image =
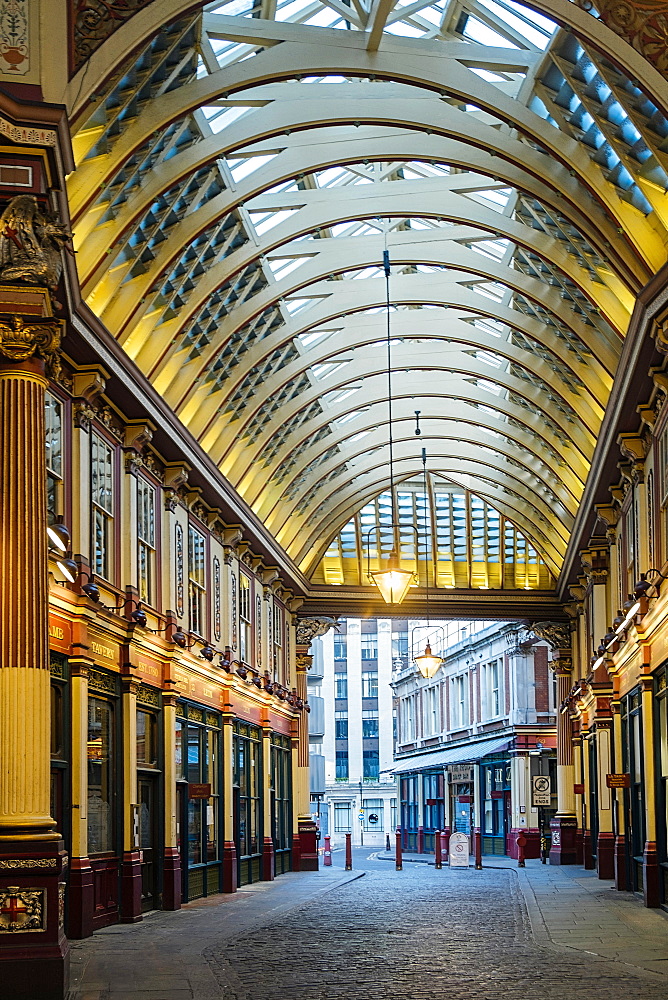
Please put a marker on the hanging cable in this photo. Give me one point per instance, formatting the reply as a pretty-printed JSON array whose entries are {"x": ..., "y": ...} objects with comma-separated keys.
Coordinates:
[
  {"x": 386, "y": 266},
  {"x": 427, "y": 560}
]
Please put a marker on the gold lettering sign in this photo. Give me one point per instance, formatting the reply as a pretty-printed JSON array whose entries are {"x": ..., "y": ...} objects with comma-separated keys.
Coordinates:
[
  {"x": 148, "y": 668},
  {"x": 60, "y": 634}
]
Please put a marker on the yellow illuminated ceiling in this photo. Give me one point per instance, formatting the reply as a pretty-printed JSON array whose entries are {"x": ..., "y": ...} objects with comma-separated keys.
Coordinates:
[{"x": 238, "y": 180}]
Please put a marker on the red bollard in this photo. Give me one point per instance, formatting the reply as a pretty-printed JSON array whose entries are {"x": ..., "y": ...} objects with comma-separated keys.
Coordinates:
[
  {"x": 349, "y": 852},
  {"x": 445, "y": 843},
  {"x": 478, "y": 848},
  {"x": 438, "y": 856},
  {"x": 521, "y": 844},
  {"x": 398, "y": 862},
  {"x": 327, "y": 855}
]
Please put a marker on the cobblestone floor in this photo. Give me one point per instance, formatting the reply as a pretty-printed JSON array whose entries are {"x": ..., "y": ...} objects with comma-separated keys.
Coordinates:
[
  {"x": 498, "y": 934},
  {"x": 419, "y": 934}
]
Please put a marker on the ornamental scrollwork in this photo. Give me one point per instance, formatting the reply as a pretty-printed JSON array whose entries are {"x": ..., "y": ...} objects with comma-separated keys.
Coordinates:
[
  {"x": 558, "y": 634},
  {"x": 31, "y": 244},
  {"x": 309, "y": 628},
  {"x": 22, "y": 910},
  {"x": 93, "y": 21},
  {"x": 643, "y": 23}
]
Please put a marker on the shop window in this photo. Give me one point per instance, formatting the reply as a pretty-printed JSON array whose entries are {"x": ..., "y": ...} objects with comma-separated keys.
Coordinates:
[
  {"x": 373, "y": 815},
  {"x": 196, "y": 580},
  {"x": 245, "y": 619},
  {"x": 147, "y": 739},
  {"x": 247, "y": 778},
  {"x": 281, "y": 785},
  {"x": 433, "y": 799},
  {"x": 101, "y": 776},
  {"x": 342, "y": 817},
  {"x": 53, "y": 413},
  {"x": 198, "y": 763},
  {"x": 369, "y": 683},
  {"x": 102, "y": 496},
  {"x": 393, "y": 814},
  {"x": 145, "y": 540},
  {"x": 59, "y": 743},
  {"x": 341, "y": 685}
]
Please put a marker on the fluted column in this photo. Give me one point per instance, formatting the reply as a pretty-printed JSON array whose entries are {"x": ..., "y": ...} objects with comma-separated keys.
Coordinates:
[{"x": 33, "y": 947}]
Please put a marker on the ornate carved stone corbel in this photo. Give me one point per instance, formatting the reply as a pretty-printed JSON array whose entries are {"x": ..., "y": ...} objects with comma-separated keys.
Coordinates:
[
  {"x": 635, "y": 447},
  {"x": 558, "y": 634},
  {"x": 309, "y": 628}
]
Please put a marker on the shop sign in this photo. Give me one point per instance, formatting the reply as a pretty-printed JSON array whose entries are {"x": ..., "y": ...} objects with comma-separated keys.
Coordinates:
[
  {"x": 105, "y": 650},
  {"x": 199, "y": 791},
  {"x": 459, "y": 773},
  {"x": 458, "y": 850},
  {"x": 618, "y": 780},
  {"x": 541, "y": 790},
  {"x": 579, "y": 789},
  {"x": 150, "y": 669},
  {"x": 60, "y": 634}
]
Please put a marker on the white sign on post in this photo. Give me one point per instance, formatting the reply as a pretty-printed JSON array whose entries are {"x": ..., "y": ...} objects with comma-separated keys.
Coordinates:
[
  {"x": 459, "y": 850},
  {"x": 542, "y": 791}
]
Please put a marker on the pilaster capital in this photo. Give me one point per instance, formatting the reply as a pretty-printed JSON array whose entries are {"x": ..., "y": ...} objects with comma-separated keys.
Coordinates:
[
  {"x": 303, "y": 662},
  {"x": 20, "y": 340}
]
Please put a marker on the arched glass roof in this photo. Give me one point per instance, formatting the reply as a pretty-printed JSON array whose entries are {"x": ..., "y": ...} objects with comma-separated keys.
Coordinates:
[{"x": 238, "y": 179}]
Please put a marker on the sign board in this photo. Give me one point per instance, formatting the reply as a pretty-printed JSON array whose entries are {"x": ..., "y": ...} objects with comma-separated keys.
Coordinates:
[
  {"x": 618, "y": 780},
  {"x": 541, "y": 790},
  {"x": 460, "y": 773},
  {"x": 459, "y": 850},
  {"x": 199, "y": 791},
  {"x": 579, "y": 789}
]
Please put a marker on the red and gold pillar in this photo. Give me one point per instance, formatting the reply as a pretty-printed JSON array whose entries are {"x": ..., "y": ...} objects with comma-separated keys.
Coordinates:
[
  {"x": 564, "y": 825},
  {"x": 34, "y": 956}
]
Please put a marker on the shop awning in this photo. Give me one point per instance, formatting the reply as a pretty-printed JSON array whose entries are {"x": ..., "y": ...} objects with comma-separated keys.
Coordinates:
[{"x": 463, "y": 754}]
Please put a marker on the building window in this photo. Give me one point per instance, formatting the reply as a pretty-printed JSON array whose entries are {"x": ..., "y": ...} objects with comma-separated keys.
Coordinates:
[
  {"x": 492, "y": 688},
  {"x": 370, "y": 725},
  {"x": 370, "y": 764},
  {"x": 244, "y": 618},
  {"x": 434, "y": 710},
  {"x": 145, "y": 540},
  {"x": 342, "y": 817},
  {"x": 393, "y": 814},
  {"x": 341, "y": 765},
  {"x": 281, "y": 771},
  {"x": 408, "y": 719},
  {"x": 278, "y": 645},
  {"x": 369, "y": 646},
  {"x": 102, "y": 495},
  {"x": 101, "y": 776},
  {"x": 53, "y": 412},
  {"x": 369, "y": 683},
  {"x": 340, "y": 647},
  {"x": 341, "y": 685},
  {"x": 341, "y": 725},
  {"x": 196, "y": 580},
  {"x": 460, "y": 701},
  {"x": 373, "y": 815},
  {"x": 400, "y": 650}
]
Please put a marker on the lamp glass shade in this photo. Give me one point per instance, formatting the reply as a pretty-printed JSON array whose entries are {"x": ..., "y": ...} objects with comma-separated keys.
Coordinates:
[
  {"x": 59, "y": 536},
  {"x": 68, "y": 568},
  {"x": 428, "y": 664},
  {"x": 393, "y": 582}
]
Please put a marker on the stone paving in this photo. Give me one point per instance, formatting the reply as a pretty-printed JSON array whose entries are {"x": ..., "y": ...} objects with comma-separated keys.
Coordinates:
[{"x": 538, "y": 934}]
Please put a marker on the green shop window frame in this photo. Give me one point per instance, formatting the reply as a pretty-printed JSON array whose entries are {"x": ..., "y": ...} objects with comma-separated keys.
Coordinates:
[
  {"x": 281, "y": 802},
  {"x": 60, "y": 747},
  {"x": 634, "y": 797},
  {"x": 248, "y": 796},
  {"x": 199, "y": 819}
]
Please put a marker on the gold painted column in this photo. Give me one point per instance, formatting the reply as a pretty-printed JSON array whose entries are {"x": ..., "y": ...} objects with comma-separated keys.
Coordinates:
[
  {"x": 171, "y": 888},
  {"x": 131, "y": 867},
  {"x": 650, "y": 862},
  {"x": 34, "y": 954},
  {"x": 230, "y": 861},
  {"x": 267, "y": 805},
  {"x": 564, "y": 824},
  {"x": 81, "y": 902}
]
